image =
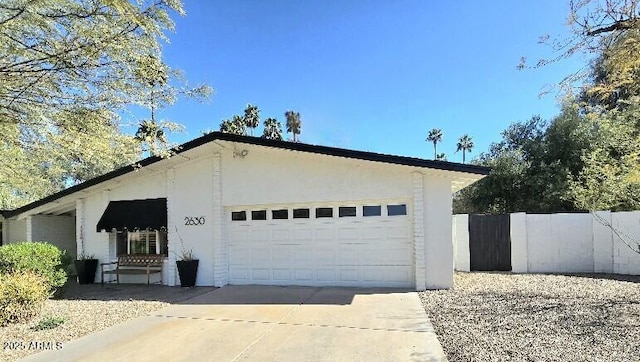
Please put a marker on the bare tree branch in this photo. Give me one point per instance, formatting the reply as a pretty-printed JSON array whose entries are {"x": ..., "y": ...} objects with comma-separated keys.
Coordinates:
[{"x": 616, "y": 26}]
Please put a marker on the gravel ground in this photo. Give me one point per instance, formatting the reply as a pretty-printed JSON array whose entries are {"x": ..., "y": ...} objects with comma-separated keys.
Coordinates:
[
  {"x": 537, "y": 317},
  {"x": 87, "y": 309}
]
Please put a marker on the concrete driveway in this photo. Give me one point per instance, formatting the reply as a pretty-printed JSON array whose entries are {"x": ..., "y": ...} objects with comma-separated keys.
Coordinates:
[{"x": 262, "y": 323}]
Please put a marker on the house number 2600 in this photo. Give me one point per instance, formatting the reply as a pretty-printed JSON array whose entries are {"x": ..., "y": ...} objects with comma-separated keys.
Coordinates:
[{"x": 193, "y": 220}]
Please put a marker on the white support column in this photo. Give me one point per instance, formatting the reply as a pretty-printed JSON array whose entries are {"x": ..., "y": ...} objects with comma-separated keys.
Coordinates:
[
  {"x": 220, "y": 267},
  {"x": 418, "y": 231},
  {"x": 172, "y": 235},
  {"x": 28, "y": 228},
  {"x": 438, "y": 217},
  {"x": 80, "y": 226},
  {"x": 518, "y": 233},
  {"x": 103, "y": 237}
]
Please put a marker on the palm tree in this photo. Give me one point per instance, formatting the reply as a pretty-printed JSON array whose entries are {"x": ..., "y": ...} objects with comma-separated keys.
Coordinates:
[
  {"x": 251, "y": 117},
  {"x": 435, "y": 136},
  {"x": 239, "y": 124},
  {"x": 293, "y": 123},
  {"x": 232, "y": 126},
  {"x": 465, "y": 144},
  {"x": 272, "y": 129},
  {"x": 151, "y": 133}
]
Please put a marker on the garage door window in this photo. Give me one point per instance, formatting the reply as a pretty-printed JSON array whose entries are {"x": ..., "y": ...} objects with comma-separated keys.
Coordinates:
[
  {"x": 396, "y": 210},
  {"x": 347, "y": 211},
  {"x": 239, "y": 216},
  {"x": 372, "y": 210},
  {"x": 300, "y": 213},
  {"x": 324, "y": 212},
  {"x": 259, "y": 215},
  {"x": 280, "y": 214}
]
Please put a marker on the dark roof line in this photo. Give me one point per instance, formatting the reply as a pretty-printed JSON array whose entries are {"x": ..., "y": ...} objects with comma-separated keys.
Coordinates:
[{"x": 302, "y": 147}]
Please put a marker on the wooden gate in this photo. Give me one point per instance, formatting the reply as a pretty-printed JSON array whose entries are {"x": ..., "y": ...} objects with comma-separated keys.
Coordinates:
[{"x": 490, "y": 242}]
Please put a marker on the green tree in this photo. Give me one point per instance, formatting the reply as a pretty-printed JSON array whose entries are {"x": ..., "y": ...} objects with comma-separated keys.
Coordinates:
[
  {"x": 435, "y": 136},
  {"x": 610, "y": 178},
  {"x": 56, "y": 54},
  {"x": 465, "y": 144},
  {"x": 68, "y": 69},
  {"x": 441, "y": 157},
  {"x": 235, "y": 125},
  {"x": 38, "y": 161},
  {"x": 160, "y": 94},
  {"x": 532, "y": 167},
  {"x": 251, "y": 117},
  {"x": 153, "y": 135},
  {"x": 272, "y": 129},
  {"x": 294, "y": 123},
  {"x": 501, "y": 191},
  {"x": 239, "y": 125}
]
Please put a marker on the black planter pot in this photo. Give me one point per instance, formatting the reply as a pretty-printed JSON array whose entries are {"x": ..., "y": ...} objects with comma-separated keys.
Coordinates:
[
  {"x": 86, "y": 270},
  {"x": 187, "y": 269}
]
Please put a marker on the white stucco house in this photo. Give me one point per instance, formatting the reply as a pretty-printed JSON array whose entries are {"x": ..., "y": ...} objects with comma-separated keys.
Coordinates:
[{"x": 258, "y": 211}]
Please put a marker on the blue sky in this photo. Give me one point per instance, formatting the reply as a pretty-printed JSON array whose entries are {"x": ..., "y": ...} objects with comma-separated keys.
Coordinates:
[{"x": 370, "y": 75}]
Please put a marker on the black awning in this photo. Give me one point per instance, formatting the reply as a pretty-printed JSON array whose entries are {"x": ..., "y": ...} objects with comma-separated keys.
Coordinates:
[{"x": 134, "y": 214}]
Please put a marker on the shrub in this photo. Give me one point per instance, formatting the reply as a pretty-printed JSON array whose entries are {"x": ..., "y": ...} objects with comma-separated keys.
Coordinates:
[
  {"x": 49, "y": 322},
  {"x": 22, "y": 295},
  {"x": 40, "y": 258}
]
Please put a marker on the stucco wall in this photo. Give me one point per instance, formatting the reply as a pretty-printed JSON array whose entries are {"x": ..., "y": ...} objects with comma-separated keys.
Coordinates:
[
  {"x": 519, "y": 250},
  {"x": 266, "y": 176},
  {"x": 438, "y": 223},
  {"x": 569, "y": 243},
  {"x": 193, "y": 198},
  {"x": 461, "y": 242},
  {"x": 559, "y": 243},
  {"x": 57, "y": 230},
  {"x": 626, "y": 261},
  {"x": 17, "y": 230}
]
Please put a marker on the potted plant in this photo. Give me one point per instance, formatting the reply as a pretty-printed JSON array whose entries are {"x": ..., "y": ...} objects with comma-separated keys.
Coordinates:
[
  {"x": 86, "y": 265},
  {"x": 187, "y": 268},
  {"x": 187, "y": 265}
]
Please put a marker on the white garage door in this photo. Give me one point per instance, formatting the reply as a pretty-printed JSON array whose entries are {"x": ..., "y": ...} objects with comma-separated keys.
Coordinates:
[{"x": 352, "y": 245}]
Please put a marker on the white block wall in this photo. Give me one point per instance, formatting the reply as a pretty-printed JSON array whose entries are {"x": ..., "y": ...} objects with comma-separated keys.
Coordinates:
[
  {"x": 565, "y": 243},
  {"x": 461, "y": 242},
  {"x": 519, "y": 252},
  {"x": 559, "y": 243},
  {"x": 603, "y": 244},
  {"x": 626, "y": 261}
]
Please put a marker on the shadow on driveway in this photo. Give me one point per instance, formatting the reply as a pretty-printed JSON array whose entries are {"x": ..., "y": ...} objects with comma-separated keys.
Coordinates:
[
  {"x": 159, "y": 293},
  {"x": 247, "y": 294}
]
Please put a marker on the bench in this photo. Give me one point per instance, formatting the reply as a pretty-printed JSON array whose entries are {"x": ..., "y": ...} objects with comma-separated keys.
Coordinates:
[{"x": 135, "y": 264}]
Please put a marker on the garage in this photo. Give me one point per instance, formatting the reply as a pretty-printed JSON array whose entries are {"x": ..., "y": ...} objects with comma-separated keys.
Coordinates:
[{"x": 345, "y": 244}]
